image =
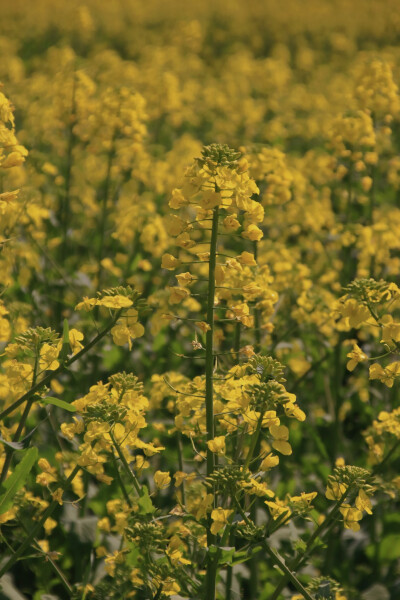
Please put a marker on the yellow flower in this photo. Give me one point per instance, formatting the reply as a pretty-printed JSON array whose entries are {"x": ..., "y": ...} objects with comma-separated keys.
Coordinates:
[
  {"x": 280, "y": 433},
  {"x": 169, "y": 262},
  {"x": 292, "y": 410},
  {"x": 57, "y": 496},
  {"x": 162, "y": 479},
  {"x": 217, "y": 445},
  {"x": 231, "y": 223},
  {"x": 185, "y": 279},
  {"x": 49, "y": 525},
  {"x": 363, "y": 502},
  {"x": 246, "y": 258},
  {"x": 122, "y": 334},
  {"x": 277, "y": 508},
  {"x": 74, "y": 340},
  {"x": 178, "y": 294},
  {"x": 174, "y": 225},
  {"x": 351, "y": 516},
  {"x": 303, "y": 501},
  {"x": 387, "y": 375},
  {"x": 210, "y": 199},
  {"x": 356, "y": 356},
  {"x": 220, "y": 518},
  {"x": 117, "y": 301},
  {"x": 253, "y": 233},
  {"x": 87, "y": 304},
  {"x": 48, "y": 356},
  {"x": 203, "y": 326},
  {"x": 335, "y": 491},
  {"x": 390, "y": 330},
  {"x": 269, "y": 462},
  {"x": 356, "y": 313},
  {"x": 177, "y": 200}
]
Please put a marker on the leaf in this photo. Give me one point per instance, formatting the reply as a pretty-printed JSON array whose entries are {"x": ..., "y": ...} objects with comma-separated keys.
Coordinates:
[
  {"x": 240, "y": 557},
  {"x": 59, "y": 403},
  {"x": 227, "y": 555},
  {"x": 14, "y": 483},
  {"x": 145, "y": 504}
]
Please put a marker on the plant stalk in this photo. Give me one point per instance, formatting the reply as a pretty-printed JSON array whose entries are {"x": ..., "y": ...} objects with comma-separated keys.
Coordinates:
[{"x": 211, "y": 567}]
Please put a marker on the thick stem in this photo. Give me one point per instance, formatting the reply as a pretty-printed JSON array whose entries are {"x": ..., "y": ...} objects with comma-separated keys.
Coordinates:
[{"x": 211, "y": 569}]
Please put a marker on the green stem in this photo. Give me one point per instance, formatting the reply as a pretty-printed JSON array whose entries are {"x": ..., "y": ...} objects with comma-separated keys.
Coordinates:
[
  {"x": 257, "y": 320},
  {"x": 180, "y": 463},
  {"x": 36, "y": 529},
  {"x": 131, "y": 476},
  {"x": 288, "y": 573},
  {"x": 236, "y": 342},
  {"x": 211, "y": 568},
  {"x": 254, "y": 441}
]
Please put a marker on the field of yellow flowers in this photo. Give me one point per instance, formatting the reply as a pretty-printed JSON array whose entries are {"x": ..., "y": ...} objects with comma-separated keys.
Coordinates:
[{"x": 200, "y": 300}]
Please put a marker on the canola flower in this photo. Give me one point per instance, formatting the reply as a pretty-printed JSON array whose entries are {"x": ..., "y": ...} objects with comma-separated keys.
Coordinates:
[{"x": 197, "y": 345}]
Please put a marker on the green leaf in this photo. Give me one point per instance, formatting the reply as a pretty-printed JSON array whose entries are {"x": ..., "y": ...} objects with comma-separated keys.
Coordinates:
[
  {"x": 59, "y": 403},
  {"x": 240, "y": 557},
  {"x": 14, "y": 483},
  {"x": 145, "y": 504},
  {"x": 227, "y": 555}
]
